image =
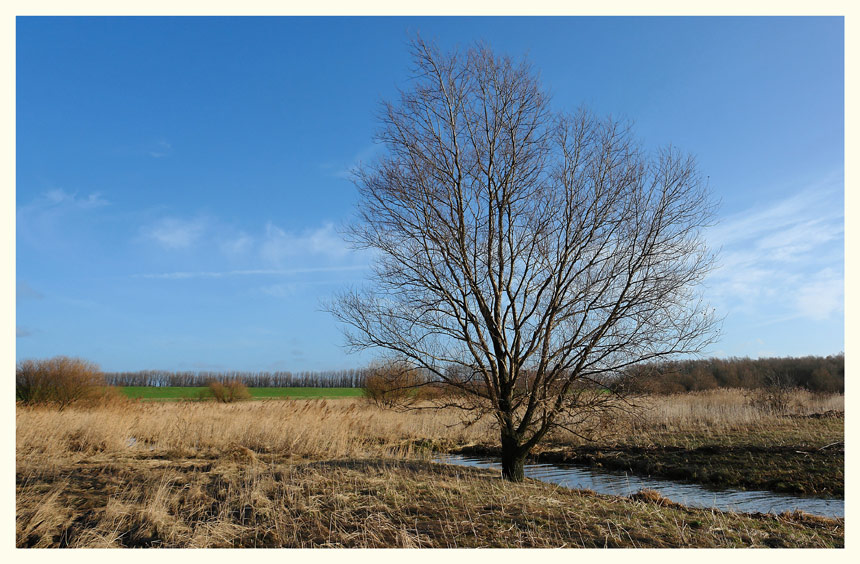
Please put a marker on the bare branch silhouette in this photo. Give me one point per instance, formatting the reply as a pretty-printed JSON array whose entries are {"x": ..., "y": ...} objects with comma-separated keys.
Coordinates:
[{"x": 524, "y": 256}]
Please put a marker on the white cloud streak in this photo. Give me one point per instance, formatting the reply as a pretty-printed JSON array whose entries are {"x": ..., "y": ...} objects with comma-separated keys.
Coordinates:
[
  {"x": 279, "y": 245},
  {"x": 176, "y": 234},
  {"x": 239, "y": 245},
  {"x": 256, "y": 272},
  {"x": 24, "y": 291},
  {"x": 784, "y": 260},
  {"x": 338, "y": 170},
  {"x": 279, "y": 290},
  {"x": 23, "y": 332},
  {"x": 222, "y": 252},
  {"x": 58, "y": 200},
  {"x": 51, "y": 220},
  {"x": 162, "y": 149}
]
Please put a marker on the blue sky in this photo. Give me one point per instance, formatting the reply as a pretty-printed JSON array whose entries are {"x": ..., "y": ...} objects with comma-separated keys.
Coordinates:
[{"x": 180, "y": 181}]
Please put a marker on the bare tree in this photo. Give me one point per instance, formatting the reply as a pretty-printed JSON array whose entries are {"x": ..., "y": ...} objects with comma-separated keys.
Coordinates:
[{"x": 524, "y": 256}]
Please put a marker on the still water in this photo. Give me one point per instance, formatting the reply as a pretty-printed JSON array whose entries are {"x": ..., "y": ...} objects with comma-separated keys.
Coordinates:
[{"x": 619, "y": 483}]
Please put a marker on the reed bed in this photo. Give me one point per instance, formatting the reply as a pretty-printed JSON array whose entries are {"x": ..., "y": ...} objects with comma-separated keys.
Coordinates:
[
  {"x": 346, "y": 473},
  {"x": 731, "y": 407},
  {"x": 729, "y": 416},
  {"x": 326, "y": 429},
  {"x": 318, "y": 429}
]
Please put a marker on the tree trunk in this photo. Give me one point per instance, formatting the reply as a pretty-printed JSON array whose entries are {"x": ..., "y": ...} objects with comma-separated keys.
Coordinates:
[{"x": 513, "y": 459}]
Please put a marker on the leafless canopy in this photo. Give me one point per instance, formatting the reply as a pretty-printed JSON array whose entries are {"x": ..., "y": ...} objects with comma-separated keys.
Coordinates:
[{"x": 523, "y": 253}]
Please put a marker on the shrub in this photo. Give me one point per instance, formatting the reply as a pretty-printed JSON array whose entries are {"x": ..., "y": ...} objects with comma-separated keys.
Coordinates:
[
  {"x": 776, "y": 395},
  {"x": 435, "y": 391},
  {"x": 229, "y": 391},
  {"x": 103, "y": 396},
  {"x": 60, "y": 381},
  {"x": 391, "y": 384}
]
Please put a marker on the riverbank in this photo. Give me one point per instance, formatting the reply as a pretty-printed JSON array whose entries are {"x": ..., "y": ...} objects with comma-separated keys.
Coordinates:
[
  {"x": 716, "y": 439},
  {"x": 814, "y": 468},
  {"x": 242, "y": 499}
]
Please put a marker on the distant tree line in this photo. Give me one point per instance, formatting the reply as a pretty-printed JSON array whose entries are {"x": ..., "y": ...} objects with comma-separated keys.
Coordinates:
[
  {"x": 347, "y": 378},
  {"x": 814, "y": 373}
]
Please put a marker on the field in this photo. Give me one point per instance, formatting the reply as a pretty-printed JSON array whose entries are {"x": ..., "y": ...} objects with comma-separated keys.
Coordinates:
[
  {"x": 345, "y": 473},
  {"x": 173, "y": 393}
]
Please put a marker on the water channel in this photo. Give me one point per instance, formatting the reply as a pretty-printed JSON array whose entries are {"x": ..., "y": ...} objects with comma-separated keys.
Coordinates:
[{"x": 622, "y": 484}]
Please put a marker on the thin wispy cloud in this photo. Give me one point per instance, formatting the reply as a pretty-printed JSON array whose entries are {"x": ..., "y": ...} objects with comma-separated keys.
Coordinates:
[
  {"x": 819, "y": 205},
  {"x": 823, "y": 297},
  {"x": 275, "y": 247},
  {"x": 54, "y": 218},
  {"x": 279, "y": 245},
  {"x": 783, "y": 260},
  {"x": 296, "y": 259},
  {"x": 59, "y": 200},
  {"x": 256, "y": 272},
  {"x": 59, "y": 197},
  {"x": 239, "y": 245},
  {"x": 23, "y": 332},
  {"x": 344, "y": 169},
  {"x": 161, "y": 150},
  {"x": 23, "y": 291},
  {"x": 173, "y": 233},
  {"x": 279, "y": 290}
]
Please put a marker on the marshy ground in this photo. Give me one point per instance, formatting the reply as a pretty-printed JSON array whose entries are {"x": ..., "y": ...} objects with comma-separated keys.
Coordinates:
[{"x": 344, "y": 473}]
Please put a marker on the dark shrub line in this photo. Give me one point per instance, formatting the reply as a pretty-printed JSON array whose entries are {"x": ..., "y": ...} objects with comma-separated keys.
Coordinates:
[{"x": 813, "y": 373}]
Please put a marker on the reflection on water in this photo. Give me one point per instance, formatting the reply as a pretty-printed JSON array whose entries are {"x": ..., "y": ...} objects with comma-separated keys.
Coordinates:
[{"x": 619, "y": 483}]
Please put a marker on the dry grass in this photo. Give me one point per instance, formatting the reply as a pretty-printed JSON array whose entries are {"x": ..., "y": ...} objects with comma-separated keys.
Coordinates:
[
  {"x": 324, "y": 429},
  {"x": 366, "y": 503},
  {"x": 308, "y": 473},
  {"x": 724, "y": 417},
  {"x": 318, "y": 429}
]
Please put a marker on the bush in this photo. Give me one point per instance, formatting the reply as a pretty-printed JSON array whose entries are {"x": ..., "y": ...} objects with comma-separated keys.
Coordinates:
[
  {"x": 104, "y": 396},
  {"x": 391, "y": 384},
  {"x": 60, "y": 381},
  {"x": 230, "y": 391},
  {"x": 435, "y": 391},
  {"x": 776, "y": 395}
]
